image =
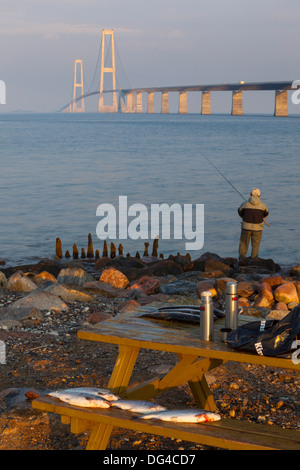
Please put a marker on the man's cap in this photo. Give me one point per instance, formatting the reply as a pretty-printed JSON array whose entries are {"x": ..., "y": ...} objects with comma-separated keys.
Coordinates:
[{"x": 255, "y": 192}]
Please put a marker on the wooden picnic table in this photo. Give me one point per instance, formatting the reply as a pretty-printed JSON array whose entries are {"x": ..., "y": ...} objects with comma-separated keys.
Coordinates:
[{"x": 132, "y": 332}]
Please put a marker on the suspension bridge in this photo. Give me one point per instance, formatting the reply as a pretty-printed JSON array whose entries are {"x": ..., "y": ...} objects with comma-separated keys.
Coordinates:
[{"x": 129, "y": 100}]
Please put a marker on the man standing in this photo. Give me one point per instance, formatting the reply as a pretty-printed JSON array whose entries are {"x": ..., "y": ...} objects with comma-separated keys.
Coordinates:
[{"x": 252, "y": 212}]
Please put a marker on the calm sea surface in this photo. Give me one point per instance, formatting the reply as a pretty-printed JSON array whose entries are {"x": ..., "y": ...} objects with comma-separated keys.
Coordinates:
[{"x": 56, "y": 169}]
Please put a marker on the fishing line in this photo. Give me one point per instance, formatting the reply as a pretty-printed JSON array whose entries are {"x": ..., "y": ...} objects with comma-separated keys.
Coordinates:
[{"x": 230, "y": 184}]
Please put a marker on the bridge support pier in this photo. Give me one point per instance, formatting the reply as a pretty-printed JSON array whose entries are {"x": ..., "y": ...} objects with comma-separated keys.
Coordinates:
[
  {"x": 182, "y": 102},
  {"x": 131, "y": 102},
  {"x": 139, "y": 102},
  {"x": 165, "y": 102},
  {"x": 150, "y": 109},
  {"x": 237, "y": 103},
  {"x": 206, "y": 106},
  {"x": 281, "y": 103},
  {"x": 121, "y": 103}
]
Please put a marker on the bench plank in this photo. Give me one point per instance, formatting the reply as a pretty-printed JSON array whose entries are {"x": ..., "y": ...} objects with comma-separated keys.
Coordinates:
[{"x": 226, "y": 433}]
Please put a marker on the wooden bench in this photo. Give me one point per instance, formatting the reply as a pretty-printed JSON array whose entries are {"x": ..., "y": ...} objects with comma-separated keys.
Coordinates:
[{"x": 226, "y": 433}]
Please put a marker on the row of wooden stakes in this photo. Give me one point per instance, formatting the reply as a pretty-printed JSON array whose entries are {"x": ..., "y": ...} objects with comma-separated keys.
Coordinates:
[{"x": 95, "y": 255}]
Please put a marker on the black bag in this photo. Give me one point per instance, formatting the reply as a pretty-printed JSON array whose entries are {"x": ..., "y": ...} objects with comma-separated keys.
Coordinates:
[{"x": 267, "y": 337}]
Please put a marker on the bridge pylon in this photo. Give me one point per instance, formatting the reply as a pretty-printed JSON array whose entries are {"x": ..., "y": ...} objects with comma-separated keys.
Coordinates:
[
  {"x": 113, "y": 108},
  {"x": 74, "y": 108}
]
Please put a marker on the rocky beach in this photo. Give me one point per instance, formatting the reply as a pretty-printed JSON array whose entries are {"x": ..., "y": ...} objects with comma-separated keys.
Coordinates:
[{"x": 43, "y": 305}]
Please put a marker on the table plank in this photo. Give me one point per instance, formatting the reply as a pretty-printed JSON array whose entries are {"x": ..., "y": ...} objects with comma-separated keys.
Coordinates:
[{"x": 131, "y": 330}]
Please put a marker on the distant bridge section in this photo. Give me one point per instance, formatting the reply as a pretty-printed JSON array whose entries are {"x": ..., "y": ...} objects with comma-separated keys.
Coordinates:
[{"x": 130, "y": 100}]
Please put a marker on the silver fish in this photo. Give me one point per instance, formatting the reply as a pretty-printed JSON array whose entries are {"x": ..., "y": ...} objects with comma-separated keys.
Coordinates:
[
  {"x": 184, "y": 416},
  {"x": 138, "y": 406},
  {"x": 101, "y": 392},
  {"x": 83, "y": 399}
]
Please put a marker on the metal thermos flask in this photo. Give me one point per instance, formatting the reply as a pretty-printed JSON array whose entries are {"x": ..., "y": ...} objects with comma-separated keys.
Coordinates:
[
  {"x": 206, "y": 317},
  {"x": 231, "y": 306}
]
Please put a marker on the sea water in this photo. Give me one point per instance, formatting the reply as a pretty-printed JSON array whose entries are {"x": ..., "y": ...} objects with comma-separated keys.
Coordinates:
[{"x": 56, "y": 169}]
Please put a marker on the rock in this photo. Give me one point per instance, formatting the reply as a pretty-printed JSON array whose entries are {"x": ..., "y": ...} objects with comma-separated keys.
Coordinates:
[
  {"x": 246, "y": 288},
  {"x": 211, "y": 262},
  {"x": 295, "y": 271},
  {"x": 292, "y": 305},
  {"x": 32, "y": 394},
  {"x": 273, "y": 281},
  {"x": 261, "y": 301},
  {"x": 221, "y": 284},
  {"x": 147, "y": 284},
  {"x": 264, "y": 264},
  {"x": 184, "y": 261},
  {"x": 68, "y": 294},
  {"x": 118, "y": 262},
  {"x": 256, "y": 311},
  {"x": 3, "y": 280},
  {"x": 281, "y": 306},
  {"x": 243, "y": 302},
  {"x": 129, "y": 305},
  {"x": 102, "y": 288},
  {"x": 163, "y": 268},
  {"x": 264, "y": 290},
  {"x": 203, "y": 286},
  {"x": 20, "y": 313},
  {"x": 20, "y": 283},
  {"x": 98, "y": 317},
  {"x": 44, "y": 275},
  {"x": 114, "y": 277},
  {"x": 179, "y": 287},
  {"x": 74, "y": 275},
  {"x": 297, "y": 285},
  {"x": 41, "y": 300},
  {"x": 277, "y": 314},
  {"x": 286, "y": 293}
]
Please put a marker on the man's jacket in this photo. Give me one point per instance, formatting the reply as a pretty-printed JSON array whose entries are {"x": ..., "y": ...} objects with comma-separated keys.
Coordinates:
[{"x": 253, "y": 212}]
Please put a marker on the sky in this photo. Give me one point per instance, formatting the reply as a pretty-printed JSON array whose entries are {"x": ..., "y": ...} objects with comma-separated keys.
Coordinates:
[{"x": 158, "y": 43}]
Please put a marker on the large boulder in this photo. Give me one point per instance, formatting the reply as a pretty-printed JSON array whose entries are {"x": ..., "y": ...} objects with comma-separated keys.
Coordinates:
[
  {"x": 74, "y": 275},
  {"x": 102, "y": 288},
  {"x": 286, "y": 293},
  {"x": 20, "y": 283},
  {"x": 40, "y": 300},
  {"x": 211, "y": 262},
  {"x": 274, "y": 281},
  {"x": 179, "y": 287},
  {"x": 295, "y": 271},
  {"x": 3, "y": 280},
  {"x": 114, "y": 277},
  {"x": 147, "y": 284},
  {"x": 246, "y": 288},
  {"x": 68, "y": 294},
  {"x": 203, "y": 286}
]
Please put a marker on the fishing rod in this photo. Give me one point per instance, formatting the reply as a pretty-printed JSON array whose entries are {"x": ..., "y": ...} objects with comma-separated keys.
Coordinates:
[{"x": 231, "y": 184}]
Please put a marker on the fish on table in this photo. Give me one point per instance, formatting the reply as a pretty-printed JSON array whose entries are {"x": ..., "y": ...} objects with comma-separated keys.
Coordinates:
[
  {"x": 138, "y": 406},
  {"x": 82, "y": 398},
  {"x": 101, "y": 392},
  {"x": 183, "y": 416}
]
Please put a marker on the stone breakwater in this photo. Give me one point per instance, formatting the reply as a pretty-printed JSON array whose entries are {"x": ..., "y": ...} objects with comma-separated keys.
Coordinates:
[{"x": 264, "y": 289}]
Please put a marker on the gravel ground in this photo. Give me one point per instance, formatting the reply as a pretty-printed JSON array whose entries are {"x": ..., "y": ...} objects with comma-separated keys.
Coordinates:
[{"x": 46, "y": 355}]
